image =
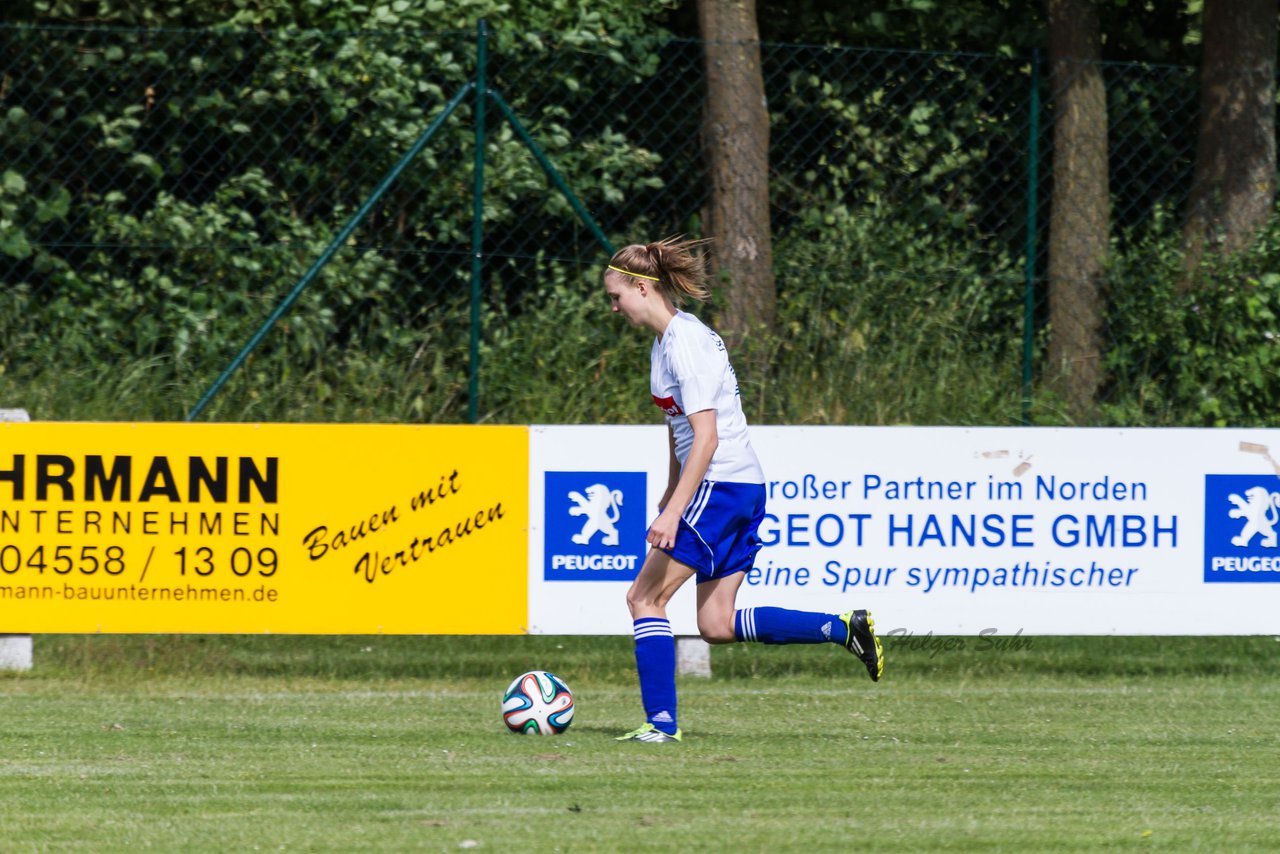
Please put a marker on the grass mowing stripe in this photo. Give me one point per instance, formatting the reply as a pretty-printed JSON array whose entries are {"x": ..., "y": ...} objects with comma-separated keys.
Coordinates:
[{"x": 212, "y": 744}]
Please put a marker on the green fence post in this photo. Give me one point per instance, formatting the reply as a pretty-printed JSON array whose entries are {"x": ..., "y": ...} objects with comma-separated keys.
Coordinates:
[
  {"x": 477, "y": 227},
  {"x": 1029, "y": 285},
  {"x": 329, "y": 252},
  {"x": 556, "y": 178}
]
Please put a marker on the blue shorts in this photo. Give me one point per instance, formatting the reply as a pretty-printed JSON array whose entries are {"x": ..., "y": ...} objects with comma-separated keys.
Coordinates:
[{"x": 719, "y": 532}]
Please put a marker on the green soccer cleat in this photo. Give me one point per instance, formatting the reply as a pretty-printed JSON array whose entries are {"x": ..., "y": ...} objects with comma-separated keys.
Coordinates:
[
  {"x": 652, "y": 735},
  {"x": 862, "y": 641}
]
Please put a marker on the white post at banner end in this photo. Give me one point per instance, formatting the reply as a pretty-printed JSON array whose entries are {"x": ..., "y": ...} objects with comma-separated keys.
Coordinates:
[
  {"x": 15, "y": 650},
  {"x": 693, "y": 656}
]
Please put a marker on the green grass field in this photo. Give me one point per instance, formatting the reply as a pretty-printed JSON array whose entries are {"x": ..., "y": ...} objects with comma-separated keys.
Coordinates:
[{"x": 200, "y": 743}]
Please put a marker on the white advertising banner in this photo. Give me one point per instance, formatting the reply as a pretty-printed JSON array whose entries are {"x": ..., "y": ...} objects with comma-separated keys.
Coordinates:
[
  {"x": 943, "y": 530},
  {"x": 594, "y": 491}
]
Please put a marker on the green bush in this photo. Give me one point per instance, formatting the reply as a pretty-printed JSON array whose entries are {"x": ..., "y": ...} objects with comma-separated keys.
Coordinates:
[
  {"x": 1193, "y": 347},
  {"x": 887, "y": 319}
]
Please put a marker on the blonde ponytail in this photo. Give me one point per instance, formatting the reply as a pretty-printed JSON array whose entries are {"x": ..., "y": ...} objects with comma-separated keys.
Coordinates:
[{"x": 675, "y": 265}]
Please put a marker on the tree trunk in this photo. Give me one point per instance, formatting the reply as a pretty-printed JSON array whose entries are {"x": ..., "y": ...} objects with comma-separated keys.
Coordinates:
[
  {"x": 736, "y": 145},
  {"x": 1233, "y": 187},
  {"x": 1080, "y": 217}
]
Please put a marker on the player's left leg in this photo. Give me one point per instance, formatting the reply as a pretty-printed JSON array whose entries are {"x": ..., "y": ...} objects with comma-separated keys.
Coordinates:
[
  {"x": 729, "y": 521},
  {"x": 717, "y": 604},
  {"x": 853, "y": 630},
  {"x": 720, "y": 621},
  {"x": 782, "y": 626}
]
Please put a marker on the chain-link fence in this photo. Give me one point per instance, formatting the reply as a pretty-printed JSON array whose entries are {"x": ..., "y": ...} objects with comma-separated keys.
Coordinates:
[{"x": 164, "y": 191}]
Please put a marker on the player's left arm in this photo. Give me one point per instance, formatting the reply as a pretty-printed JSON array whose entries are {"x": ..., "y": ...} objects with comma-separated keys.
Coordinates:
[
  {"x": 706, "y": 439},
  {"x": 673, "y": 469}
]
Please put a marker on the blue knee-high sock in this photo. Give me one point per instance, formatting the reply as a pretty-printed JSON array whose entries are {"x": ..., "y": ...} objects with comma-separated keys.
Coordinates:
[
  {"x": 656, "y": 664},
  {"x": 778, "y": 626}
]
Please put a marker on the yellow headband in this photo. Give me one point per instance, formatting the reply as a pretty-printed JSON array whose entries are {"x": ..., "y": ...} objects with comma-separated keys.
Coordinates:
[{"x": 635, "y": 275}]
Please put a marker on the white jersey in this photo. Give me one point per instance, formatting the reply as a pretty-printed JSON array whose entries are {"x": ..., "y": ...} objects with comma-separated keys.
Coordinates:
[{"x": 690, "y": 372}]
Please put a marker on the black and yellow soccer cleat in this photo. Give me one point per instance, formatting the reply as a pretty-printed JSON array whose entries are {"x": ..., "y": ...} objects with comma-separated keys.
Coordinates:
[{"x": 862, "y": 641}]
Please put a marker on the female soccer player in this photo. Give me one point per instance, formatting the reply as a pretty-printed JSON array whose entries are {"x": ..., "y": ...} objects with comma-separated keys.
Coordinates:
[{"x": 714, "y": 502}]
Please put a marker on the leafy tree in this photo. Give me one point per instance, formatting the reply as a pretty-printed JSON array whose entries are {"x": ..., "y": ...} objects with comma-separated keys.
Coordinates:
[
  {"x": 164, "y": 188},
  {"x": 1079, "y": 227},
  {"x": 1234, "y": 186},
  {"x": 736, "y": 144}
]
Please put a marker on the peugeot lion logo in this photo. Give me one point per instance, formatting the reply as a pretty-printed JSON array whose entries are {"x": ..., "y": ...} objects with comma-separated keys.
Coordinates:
[
  {"x": 1258, "y": 510},
  {"x": 588, "y": 535},
  {"x": 1241, "y": 528},
  {"x": 600, "y": 506}
]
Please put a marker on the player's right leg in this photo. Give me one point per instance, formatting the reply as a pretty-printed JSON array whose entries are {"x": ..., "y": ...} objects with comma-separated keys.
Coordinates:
[{"x": 658, "y": 580}]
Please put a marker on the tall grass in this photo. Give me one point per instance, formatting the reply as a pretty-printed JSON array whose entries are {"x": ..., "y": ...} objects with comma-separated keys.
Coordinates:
[
  {"x": 872, "y": 346},
  {"x": 127, "y": 658}
]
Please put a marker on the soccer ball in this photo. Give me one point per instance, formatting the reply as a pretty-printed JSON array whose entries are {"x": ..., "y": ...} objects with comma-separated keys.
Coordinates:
[{"x": 537, "y": 703}]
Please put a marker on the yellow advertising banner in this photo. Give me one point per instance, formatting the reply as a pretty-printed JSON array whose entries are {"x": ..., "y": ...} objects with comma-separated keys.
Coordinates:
[{"x": 247, "y": 528}]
